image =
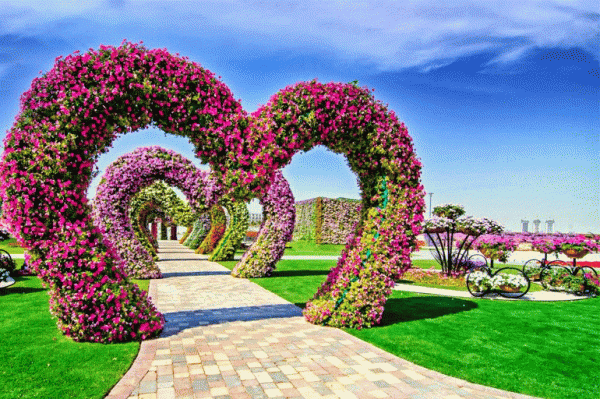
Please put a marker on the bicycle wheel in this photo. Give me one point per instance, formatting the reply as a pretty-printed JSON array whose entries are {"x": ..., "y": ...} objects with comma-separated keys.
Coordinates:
[
  {"x": 7, "y": 262},
  {"x": 478, "y": 281},
  {"x": 532, "y": 269},
  {"x": 552, "y": 277},
  {"x": 516, "y": 283}
]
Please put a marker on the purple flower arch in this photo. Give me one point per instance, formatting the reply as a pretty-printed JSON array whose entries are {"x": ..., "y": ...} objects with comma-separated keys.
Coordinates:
[
  {"x": 127, "y": 176},
  {"x": 132, "y": 172}
]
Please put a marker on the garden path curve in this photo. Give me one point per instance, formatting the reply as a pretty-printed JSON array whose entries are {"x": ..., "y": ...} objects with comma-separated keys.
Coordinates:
[{"x": 229, "y": 338}]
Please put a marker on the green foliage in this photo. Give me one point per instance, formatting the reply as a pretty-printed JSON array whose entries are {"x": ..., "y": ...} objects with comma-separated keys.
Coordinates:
[
  {"x": 218, "y": 223},
  {"x": 231, "y": 240}
]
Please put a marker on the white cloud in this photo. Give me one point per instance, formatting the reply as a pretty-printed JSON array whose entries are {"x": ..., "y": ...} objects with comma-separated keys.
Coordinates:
[{"x": 386, "y": 34}]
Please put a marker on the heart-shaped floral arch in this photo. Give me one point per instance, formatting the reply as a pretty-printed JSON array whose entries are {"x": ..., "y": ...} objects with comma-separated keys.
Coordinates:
[{"x": 73, "y": 113}]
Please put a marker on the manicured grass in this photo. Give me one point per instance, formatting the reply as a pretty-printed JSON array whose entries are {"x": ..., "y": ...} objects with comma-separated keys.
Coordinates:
[
  {"x": 10, "y": 249},
  {"x": 310, "y": 248},
  {"x": 39, "y": 362},
  {"x": 543, "y": 349}
]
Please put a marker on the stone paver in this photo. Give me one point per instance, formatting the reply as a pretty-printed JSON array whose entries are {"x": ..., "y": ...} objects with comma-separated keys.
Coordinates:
[{"x": 229, "y": 338}]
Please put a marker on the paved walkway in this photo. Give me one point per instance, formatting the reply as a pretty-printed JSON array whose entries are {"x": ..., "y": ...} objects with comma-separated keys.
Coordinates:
[{"x": 230, "y": 338}]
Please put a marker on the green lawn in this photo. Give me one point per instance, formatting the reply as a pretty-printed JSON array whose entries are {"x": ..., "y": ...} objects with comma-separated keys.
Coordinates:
[
  {"x": 10, "y": 249},
  {"x": 310, "y": 248},
  {"x": 541, "y": 349},
  {"x": 39, "y": 362}
]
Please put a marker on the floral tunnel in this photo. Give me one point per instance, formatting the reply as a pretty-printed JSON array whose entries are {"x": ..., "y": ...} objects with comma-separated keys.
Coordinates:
[
  {"x": 150, "y": 212},
  {"x": 348, "y": 120},
  {"x": 162, "y": 196},
  {"x": 129, "y": 175},
  {"x": 73, "y": 113},
  {"x": 117, "y": 203}
]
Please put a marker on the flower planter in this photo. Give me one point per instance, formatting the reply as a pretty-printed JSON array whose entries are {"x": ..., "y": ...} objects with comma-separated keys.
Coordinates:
[
  {"x": 508, "y": 288},
  {"x": 491, "y": 254},
  {"x": 575, "y": 254}
]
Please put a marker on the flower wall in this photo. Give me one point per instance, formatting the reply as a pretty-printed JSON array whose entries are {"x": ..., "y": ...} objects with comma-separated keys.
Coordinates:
[{"x": 326, "y": 220}]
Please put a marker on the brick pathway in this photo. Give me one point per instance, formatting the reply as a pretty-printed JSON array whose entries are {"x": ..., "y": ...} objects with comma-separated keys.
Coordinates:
[{"x": 230, "y": 338}]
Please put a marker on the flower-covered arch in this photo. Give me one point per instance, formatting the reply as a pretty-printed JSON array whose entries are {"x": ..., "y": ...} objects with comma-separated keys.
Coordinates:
[
  {"x": 150, "y": 211},
  {"x": 239, "y": 220},
  {"x": 218, "y": 225},
  {"x": 126, "y": 177},
  {"x": 163, "y": 197},
  {"x": 66, "y": 120},
  {"x": 73, "y": 113},
  {"x": 279, "y": 216},
  {"x": 200, "y": 230},
  {"x": 348, "y": 120}
]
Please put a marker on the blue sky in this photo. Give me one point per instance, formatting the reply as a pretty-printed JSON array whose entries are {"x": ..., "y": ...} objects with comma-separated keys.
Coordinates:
[{"x": 501, "y": 98}]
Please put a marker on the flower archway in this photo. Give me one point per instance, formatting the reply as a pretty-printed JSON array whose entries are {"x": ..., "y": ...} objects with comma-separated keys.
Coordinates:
[
  {"x": 347, "y": 120},
  {"x": 130, "y": 174},
  {"x": 66, "y": 120},
  {"x": 163, "y": 197},
  {"x": 73, "y": 113}
]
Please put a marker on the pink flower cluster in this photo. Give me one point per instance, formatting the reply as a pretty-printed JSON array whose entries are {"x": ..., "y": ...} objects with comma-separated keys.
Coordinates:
[{"x": 127, "y": 176}]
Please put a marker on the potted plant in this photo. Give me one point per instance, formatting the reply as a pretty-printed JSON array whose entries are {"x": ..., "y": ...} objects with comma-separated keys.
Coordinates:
[
  {"x": 495, "y": 246},
  {"x": 555, "y": 278},
  {"x": 480, "y": 280},
  {"x": 532, "y": 271},
  {"x": 593, "y": 283},
  {"x": 508, "y": 282},
  {"x": 4, "y": 275},
  {"x": 575, "y": 284},
  {"x": 545, "y": 244},
  {"x": 576, "y": 247},
  {"x": 450, "y": 211},
  {"x": 437, "y": 225}
]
